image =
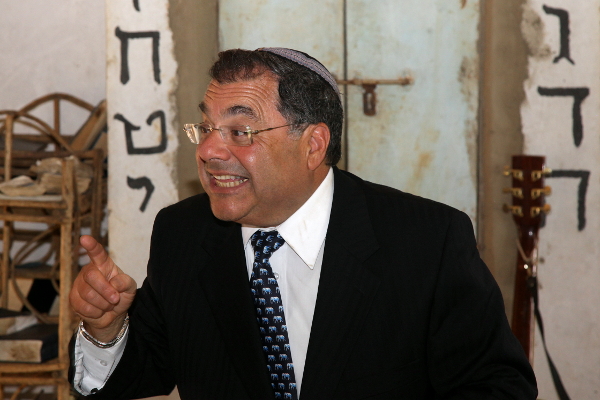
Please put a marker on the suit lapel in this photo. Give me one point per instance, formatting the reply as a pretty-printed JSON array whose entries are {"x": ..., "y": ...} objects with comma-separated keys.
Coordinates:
[
  {"x": 224, "y": 279},
  {"x": 346, "y": 290}
]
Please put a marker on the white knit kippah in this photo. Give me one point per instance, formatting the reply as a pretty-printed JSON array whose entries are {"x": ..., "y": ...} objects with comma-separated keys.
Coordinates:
[{"x": 308, "y": 62}]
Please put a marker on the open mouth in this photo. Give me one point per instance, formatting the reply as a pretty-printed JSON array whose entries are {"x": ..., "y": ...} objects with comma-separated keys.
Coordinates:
[{"x": 228, "y": 180}]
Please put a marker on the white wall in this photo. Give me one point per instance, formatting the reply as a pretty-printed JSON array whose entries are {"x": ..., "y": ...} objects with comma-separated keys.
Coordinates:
[
  {"x": 141, "y": 174},
  {"x": 51, "y": 46},
  {"x": 570, "y": 273}
]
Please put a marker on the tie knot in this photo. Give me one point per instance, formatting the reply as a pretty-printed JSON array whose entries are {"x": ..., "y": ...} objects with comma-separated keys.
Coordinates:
[{"x": 265, "y": 243}]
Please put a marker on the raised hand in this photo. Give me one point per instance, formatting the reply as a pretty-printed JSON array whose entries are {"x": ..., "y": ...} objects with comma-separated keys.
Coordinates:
[{"x": 101, "y": 293}]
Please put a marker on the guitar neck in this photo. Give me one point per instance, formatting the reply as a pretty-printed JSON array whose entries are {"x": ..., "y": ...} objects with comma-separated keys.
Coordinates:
[{"x": 528, "y": 211}]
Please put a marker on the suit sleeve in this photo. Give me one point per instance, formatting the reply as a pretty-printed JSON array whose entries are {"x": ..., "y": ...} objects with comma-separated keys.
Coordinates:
[{"x": 472, "y": 353}]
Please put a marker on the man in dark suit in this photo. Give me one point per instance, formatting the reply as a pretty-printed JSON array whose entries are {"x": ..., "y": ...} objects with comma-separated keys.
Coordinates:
[{"x": 385, "y": 294}]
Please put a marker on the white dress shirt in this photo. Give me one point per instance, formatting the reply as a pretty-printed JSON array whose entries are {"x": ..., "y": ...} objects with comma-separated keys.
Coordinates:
[{"x": 297, "y": 268}]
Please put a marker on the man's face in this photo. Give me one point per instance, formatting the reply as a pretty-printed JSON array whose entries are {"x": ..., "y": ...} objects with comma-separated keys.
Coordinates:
[{"x": 262, "y": 184}]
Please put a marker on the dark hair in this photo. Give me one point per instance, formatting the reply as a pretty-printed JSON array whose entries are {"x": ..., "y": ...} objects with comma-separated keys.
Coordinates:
[{"x": 305, "y": 97}]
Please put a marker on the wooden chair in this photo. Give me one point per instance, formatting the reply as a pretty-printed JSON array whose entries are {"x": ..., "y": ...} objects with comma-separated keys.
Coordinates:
[
  {"x": 40, "y": 133},
  {"x": 61, "y": 215}
]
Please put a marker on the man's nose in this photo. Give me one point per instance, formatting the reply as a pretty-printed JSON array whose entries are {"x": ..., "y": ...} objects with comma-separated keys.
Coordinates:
[{"x": 213, "y": 147}]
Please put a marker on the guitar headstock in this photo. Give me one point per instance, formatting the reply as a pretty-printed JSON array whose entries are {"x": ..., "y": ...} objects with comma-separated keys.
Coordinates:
[{"x": 528, "y": 190}]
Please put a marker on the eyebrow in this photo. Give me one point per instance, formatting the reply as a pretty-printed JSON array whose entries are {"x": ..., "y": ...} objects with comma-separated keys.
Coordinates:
[
  {"x": 241, "y": 110},
  {"x": 233, "y": 110}
]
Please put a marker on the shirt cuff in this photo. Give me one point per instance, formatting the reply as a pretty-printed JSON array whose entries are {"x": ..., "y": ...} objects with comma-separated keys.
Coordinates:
[{"x": 93, "y": 365}]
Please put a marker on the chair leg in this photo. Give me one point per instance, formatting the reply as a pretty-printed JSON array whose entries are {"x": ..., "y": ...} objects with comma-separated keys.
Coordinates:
[
  {"x": 16, "y": 394},
  {"x": 63, "y": 392}
]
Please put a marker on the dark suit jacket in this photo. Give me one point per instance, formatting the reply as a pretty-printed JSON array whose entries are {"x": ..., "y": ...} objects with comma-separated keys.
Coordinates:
[{"x": 406, "y": 309}]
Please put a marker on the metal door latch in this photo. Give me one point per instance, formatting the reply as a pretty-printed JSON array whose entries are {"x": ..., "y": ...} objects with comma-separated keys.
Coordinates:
[{"x": 369, "y": 86}]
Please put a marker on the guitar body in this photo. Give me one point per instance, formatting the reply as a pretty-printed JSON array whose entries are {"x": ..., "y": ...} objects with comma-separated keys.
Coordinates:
[{"x": 529, "y": 210}]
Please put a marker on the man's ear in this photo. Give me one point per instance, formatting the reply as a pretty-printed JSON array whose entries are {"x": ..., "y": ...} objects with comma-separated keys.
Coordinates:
[{"x": 318, "y": 142}]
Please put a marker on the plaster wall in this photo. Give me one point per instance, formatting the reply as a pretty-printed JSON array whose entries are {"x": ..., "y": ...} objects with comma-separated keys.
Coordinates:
[
  {"x": 561, "y": 121},
  {"x": 141, "y": 82},
  {"x": 423, "y": 139},
  {"x": 48, "y": 47}
]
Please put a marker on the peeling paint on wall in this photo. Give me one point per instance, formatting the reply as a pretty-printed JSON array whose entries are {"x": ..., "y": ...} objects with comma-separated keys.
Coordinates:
[
  {"x": 532, "y": 28},
  {"x": 421, "y": 169},
  {"x": 469, "y": 81},
  {"x": 468, "y": 77}
]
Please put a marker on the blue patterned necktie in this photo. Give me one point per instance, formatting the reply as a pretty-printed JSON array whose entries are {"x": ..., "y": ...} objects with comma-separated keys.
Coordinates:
[{"x": 270, "y": 316}]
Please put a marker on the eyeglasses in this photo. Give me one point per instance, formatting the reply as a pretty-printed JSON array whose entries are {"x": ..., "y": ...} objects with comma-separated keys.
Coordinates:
[{"x": 232, "y": 135}]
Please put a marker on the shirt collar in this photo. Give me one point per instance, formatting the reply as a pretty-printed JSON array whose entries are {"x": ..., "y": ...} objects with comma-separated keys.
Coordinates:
[{"x": 305, "y": 230}]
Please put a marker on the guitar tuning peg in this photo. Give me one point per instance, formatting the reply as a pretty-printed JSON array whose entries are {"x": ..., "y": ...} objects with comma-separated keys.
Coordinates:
[
  {"x": 516, "y": 192},
  {"x": 537, "y": 175},
  {"x": 535, "y": 211},
  {"x": 516, "y": 173},
  {"x": 546, "y": 191},
  {"x": 515, "y": 210}
]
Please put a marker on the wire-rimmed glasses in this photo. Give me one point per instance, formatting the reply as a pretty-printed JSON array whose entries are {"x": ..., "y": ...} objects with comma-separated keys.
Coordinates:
[{"x": 237, "y": 135}]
